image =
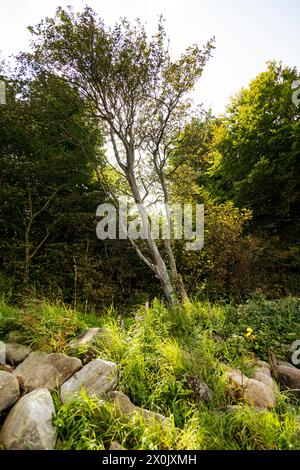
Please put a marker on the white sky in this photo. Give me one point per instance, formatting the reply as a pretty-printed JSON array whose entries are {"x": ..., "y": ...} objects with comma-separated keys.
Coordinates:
[{"x": 248, "y": 33}]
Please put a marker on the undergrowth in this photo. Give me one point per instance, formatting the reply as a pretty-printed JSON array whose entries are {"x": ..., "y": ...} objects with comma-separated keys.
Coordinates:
[{"x": 156, "y": 350}]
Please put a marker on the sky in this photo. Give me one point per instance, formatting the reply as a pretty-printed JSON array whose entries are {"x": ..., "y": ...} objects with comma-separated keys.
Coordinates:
[{"x": 248, "y": 34}]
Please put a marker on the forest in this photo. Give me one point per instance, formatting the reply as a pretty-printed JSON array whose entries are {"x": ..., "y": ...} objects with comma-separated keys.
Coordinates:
[{"x": 166, "y": 347}]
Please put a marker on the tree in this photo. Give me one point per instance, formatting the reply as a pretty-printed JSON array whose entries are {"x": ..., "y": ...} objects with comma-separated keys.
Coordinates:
[
  {"x": 215, "y": 266},
  {"x": 40, "y": 165},
  {"x": 249, "y": 156},
  {"x": 255, "y": 153},
  {"x": 131, "y": 84}
]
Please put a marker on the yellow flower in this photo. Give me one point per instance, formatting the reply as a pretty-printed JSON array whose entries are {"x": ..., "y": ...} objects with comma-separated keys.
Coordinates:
[{"x": 249, "y": 332}]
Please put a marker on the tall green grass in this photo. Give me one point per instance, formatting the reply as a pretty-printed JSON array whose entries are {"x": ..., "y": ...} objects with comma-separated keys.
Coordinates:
[{"x": 156, "y": 350}]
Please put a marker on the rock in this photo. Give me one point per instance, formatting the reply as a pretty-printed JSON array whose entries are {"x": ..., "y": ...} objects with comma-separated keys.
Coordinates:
[
  {"x": 28, "y": 425},
  {"x": 6, "y": 368},
  {"x": 96, "y": 378},
  {"x": 200, "y": 391},
  {"x": 237, "y": 408},
  {"x": 85, "y": 344},
  {"x": 298, "y": 427},
  {"x": 2, "y": 352},
  {"x": 251, "y": 391},
  {"x": 263, "y": 365},
  {"x": 9, "y": 390},
  {"x": 116, "y": 446},
  {"x": 265, "y": 378},
  {"x": 287, "y": 364},
  {"x": 16, "y": 353},
  {"x": 264, "y": 370},
  {"x": 85, "y": 340},
  {"x": 15, "y": 336},
  {"x": 125, "y": 408},
  {"x": 42, "y": 370},
  {"x": 289, "y": 377},
  {"x": 258, "y": 394},
  {"x": 236, "y": 378},
  {"x": 230, "y": 409},
  {"x": 123, "y": 403}
]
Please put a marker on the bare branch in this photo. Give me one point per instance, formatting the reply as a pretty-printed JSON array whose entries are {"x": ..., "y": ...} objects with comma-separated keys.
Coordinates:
[{"x": 40, "y": 244}]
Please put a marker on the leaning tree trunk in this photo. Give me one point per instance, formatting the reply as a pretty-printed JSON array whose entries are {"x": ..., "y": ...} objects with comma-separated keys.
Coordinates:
[
  {"x": 159, "y": 266},
  {"x": 176, "y": 278}
]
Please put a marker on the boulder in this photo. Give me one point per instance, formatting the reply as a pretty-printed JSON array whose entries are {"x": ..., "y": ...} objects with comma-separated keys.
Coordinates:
[
  {"x": 200, "y": 391},
  {"x": 6, "y": 368},
  {"x": 15, "y": 336},
  {"x": 253, "y": 392},
  {"x": 265, "y": 378},
  {"x": 85, "y": 344},
  {"x": 289, "y": 377},
  {"x": 229, "y": 409},
  {"x": 97, "y": 378},
  {"x": 122, "y": 402},
  {"x": 116, "y": 446},
  {"x": 125, "y": 408},
  {"x": 264, "y": 365},
  {"x": 9, "y": 390},
  {"x": 259, "y": 394},
  {"x": 298, "y": 427},
  {"x": 2, "y": 352},
  {"x": 237, "y": 408},
  {"x": 236, "y": 378},
  {"x": 264, "y": 370},
  {"x": 85, "y": 340},
  {"x": 16, "y": 353},
  {"x": 287, "y": 364},
  {"x": 28, "y": 425},
  {"x": 42, "y": 370}
]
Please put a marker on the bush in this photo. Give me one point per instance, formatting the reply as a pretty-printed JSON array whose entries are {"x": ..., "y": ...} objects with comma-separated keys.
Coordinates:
[{"x": 275, "y": 325}]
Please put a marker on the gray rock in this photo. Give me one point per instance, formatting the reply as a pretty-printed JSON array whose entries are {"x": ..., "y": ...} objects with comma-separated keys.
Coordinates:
[
  {"x": 15, "y": 336},
  {"x": 230, "y": 409},
  {"x": 237, "y": 408},
  {"x": 200, "y": 391},
  {"x": 287, "y": 364},
  {"x": 96, "y": 378},
  {"x": 116, "y": 446},
  {"x": 6, "y": 368},
  {"x": 264, "y": 370},
  {"x": 265, "y": 378},
  {"x": 253, "y": 392},
  {"x": 289, "y": 377},
  {"x": 125, "y": 408},
  {"x": 259, "y": 394},
  {"x": 2, "y": 352},
  {"x": 9, "y": 390},
  {"x": 298, "y": 427},
  {"x": 85, "y": 340},
  {"x": 16, "y": 353},
  {"x": 28, "y": 425},
  {"x": 42, "y": 370},
  {"x": 263, "y": 364},
  {"x": 236, "y": 378}
]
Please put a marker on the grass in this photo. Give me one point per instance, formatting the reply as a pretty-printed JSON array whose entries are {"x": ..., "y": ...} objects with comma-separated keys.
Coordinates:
[
  {"x": 156, "y": 350},
  {"x": 92, "y": 424}
]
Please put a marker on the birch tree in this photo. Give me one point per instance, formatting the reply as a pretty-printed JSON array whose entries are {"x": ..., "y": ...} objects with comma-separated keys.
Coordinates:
[{"x": 141, "y": 95}]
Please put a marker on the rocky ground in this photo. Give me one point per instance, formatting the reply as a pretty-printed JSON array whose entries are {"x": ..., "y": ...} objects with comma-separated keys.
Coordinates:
[{"x": 27, "y": 378}]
